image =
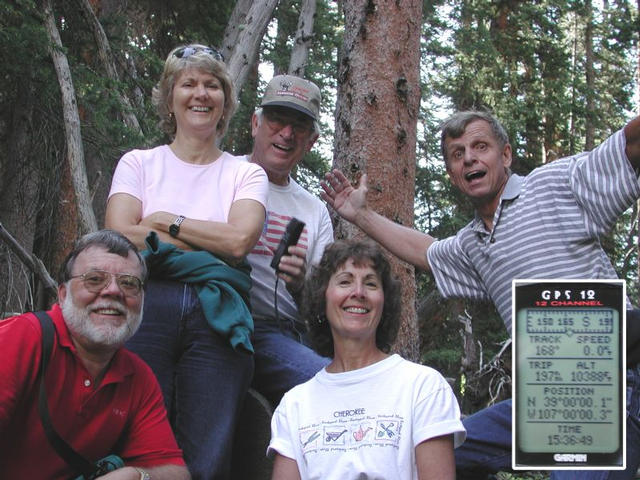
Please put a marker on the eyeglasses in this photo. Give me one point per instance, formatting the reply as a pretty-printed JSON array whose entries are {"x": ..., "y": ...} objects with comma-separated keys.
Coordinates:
[
  {"x": 186, "y": 52},
  {"x": 97, "y": 280},
  {"x": 277, "y": 121}
]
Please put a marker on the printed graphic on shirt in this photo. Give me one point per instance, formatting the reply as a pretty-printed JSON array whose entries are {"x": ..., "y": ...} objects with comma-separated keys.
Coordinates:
[
  {"x": 119, "y": 412},
  {"x": 272, "y": 231},
  {"x": 351, "y": 433}
]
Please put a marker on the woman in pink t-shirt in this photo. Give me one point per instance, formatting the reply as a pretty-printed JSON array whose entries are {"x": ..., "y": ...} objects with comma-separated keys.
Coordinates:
[{"x": 196, "y": 198}]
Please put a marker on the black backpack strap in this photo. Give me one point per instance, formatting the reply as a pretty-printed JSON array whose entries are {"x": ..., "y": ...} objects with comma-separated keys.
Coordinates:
[{"x": 68, "y": 454}]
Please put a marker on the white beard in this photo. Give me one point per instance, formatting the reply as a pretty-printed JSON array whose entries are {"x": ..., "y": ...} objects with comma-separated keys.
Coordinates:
[{"x": 79, "y": 322}]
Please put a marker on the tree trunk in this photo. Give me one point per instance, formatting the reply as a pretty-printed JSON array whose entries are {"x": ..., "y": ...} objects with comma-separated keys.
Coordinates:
[
  {"x": 376, "y": 118},
  {"x": 106, "y": 57},
  {"x": 73, "y": 137},
  {"x": 234, "y": 27},
  {"x": 248, "y": 40},
  {"x": 32, "y": 262},
  {"x": 590, "y": 128},
  {"x": 304, "y": 37},
  {"x": 638, "y": 111},
  {"x": 18, "y": 198},
  {"x": 574, "y": 95}
]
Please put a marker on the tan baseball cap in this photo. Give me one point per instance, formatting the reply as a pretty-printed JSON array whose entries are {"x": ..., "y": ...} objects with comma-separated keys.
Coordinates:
[{"x": 293, "y": 92}]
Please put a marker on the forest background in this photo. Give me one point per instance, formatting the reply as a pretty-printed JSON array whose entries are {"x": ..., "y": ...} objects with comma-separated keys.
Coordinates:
[{"x": 76, "y": 90}]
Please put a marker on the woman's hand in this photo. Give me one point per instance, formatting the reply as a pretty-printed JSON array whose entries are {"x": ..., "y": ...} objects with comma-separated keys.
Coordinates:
[
  {"x": 161, "y": 472},
  {"x": 160, "y": 222},
  {"x": 124, "y": 214},
  {"x": 125, "y": 473},
  {"x": 159, "y": 219},
  {"x": 232, "y": 240}
]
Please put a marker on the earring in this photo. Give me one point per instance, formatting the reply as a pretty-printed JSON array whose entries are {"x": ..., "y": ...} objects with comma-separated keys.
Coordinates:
[
  {"x": 171, "y": 116},
  {"x": 320, "y": 319}
]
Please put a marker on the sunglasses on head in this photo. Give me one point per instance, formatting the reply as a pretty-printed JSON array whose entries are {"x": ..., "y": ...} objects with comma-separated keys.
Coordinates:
[{"x": 186, "y": 52}]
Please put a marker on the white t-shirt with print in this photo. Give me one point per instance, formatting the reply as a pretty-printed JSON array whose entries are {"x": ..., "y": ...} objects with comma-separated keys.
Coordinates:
[
  {"x": 285, "y": 202},
  {"x": 366, "y": 423}
]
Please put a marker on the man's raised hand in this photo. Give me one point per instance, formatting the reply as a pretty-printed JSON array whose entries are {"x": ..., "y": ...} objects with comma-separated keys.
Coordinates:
[{"x": 340, "y": 194}]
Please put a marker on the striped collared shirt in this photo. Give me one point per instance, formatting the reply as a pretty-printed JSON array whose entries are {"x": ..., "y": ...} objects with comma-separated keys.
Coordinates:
[{"x": 548, "y": 225}]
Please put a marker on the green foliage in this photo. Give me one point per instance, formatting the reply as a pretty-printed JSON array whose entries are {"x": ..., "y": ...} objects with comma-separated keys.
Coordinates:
[
  {"x": 522, "y": 476},
  {"x": 444, "y": 360},
  {"x": 526, "y": 62},
  {"x": 321, "y": 67},
  {"x": 29, "y": 90},
  {"x": 276, "y": 52},
  {"x": 163, "y": 24}
]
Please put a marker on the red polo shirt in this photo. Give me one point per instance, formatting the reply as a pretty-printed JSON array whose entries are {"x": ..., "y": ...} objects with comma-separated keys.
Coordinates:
[{"x": 125, "y": 415}]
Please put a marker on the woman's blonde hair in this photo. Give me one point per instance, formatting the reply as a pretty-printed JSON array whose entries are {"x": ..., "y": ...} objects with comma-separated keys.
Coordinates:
[{"x": 193, "y": 56}]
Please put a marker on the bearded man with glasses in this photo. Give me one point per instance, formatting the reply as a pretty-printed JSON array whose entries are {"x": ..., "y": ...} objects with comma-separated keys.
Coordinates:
[{"x": 102, "y": 398}]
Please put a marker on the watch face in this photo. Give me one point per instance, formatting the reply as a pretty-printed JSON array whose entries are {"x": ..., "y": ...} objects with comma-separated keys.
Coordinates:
[{"x": 174, "y": 228}]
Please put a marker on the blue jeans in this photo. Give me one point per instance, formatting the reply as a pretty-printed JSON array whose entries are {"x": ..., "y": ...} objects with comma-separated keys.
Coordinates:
[
  {"x": 203, "y": 380},
  {"x": 487, "y": 448},
  {"x": 282, "y": 361},
  {"x": 633, "y": 439}
]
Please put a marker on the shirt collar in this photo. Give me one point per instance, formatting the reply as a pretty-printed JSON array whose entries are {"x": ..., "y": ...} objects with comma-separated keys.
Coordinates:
[
  {"x": 513, "y": 187},
  {"x": 511, "y": 191}
]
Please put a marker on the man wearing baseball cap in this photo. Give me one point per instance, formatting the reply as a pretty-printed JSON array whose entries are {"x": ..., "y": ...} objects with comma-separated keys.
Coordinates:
[{"x": 284, "y": 128}]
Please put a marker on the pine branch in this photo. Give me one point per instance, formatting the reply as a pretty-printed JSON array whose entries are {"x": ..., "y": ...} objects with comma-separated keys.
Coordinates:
[{"x": 31, "y": 261}]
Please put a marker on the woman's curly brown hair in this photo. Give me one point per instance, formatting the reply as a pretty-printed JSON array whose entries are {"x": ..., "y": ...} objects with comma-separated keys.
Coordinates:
[{"x": 313, "y": 308}]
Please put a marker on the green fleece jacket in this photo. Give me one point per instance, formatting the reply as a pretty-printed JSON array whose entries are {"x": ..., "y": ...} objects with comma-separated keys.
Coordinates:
[{"x": 223, "y": 290}]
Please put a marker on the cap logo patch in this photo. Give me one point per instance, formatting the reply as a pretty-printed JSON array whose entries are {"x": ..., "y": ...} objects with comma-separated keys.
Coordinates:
[{"x": 293, "y": 92}]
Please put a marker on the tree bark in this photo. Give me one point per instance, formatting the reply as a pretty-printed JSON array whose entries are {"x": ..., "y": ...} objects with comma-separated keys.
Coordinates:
[
  {"x": 73, "y": 137},
  {"x": 234, "y": 27},
  {"x": 31, "y": 261},
  {"x": 19, "y": 194},
  {"x": 108, "y": 61},
  {"x": 574, "y": 68},
  {"x": 638, "y": 112},
  {"x": 304, "y": 37},
  {"x": 376, "y": 119},
  {"x": 249, "y": 36},
  {"x": 590, "y": 128}
]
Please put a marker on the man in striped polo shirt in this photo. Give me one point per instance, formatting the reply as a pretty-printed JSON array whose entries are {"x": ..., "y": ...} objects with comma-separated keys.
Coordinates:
[{"x": 545, "y": 225}]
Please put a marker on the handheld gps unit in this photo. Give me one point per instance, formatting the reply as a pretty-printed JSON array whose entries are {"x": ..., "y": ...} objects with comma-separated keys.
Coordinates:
[{"x": 569, "y": 374}]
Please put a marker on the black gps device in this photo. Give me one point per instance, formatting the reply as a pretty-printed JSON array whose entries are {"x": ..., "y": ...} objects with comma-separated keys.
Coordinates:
[{"x": 569, "y": 374}]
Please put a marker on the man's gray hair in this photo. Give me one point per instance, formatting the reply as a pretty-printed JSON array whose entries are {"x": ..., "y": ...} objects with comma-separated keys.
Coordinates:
[
  {"x": 456, "y": 124},
  {"x": 110, "y": 240}
]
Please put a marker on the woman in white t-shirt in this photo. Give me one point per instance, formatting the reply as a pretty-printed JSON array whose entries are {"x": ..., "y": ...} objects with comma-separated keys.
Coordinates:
[
  {"x": 208, "y": 208},
  {"x": 368, "y": 414}
]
